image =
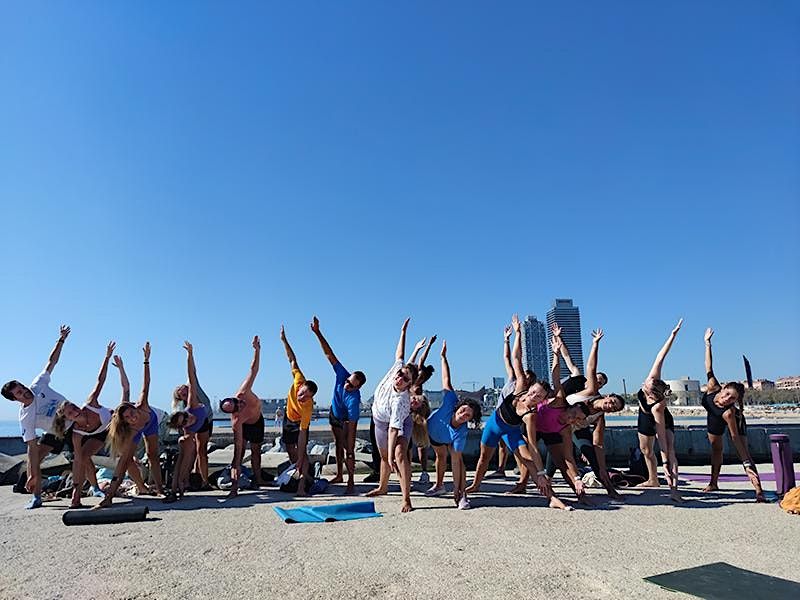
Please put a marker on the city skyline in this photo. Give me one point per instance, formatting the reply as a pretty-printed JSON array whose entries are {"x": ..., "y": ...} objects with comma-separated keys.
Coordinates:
[
  {"x": 568, "y": 317},
  {"x": 534, "y": 348}
]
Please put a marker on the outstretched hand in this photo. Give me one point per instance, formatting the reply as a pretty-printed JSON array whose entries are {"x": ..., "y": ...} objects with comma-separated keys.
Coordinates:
[
  {"x": 677, "y": 327},
  {"x": 444, "y": 348},
  {"x": 117, "y": 361},
  {"x": 257, "y": 342},
  {"x": 315, "y": 324},
  {"x": 597, "y": 335},
  {"x": 556, "y": 344},
  {"x": 110, "y": 348},
  {"x": 507, "y": 331},
  {"x": 420, "y": 345},
  {"x": 188, "y": 347},
  {"x": 146, "y": 350},
  {"x": 515, "y": 322},
  {"x": 405, "y": 324},
  {"x": 707, "y": 336},
  {"x": 63, "y": 332},
  {"x": 432, "y": 340},
  {"x": 556, "y": 329}
]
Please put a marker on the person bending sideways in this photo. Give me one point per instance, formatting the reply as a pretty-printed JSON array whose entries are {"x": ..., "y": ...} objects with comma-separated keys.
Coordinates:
[
  {"x": 38, "y": 405},
  {"x": 299, "y": 409},
  {"x": 447, "y": 428},
  {"x": 345, "y": 411},
  {"x": 724, "y": 408}
]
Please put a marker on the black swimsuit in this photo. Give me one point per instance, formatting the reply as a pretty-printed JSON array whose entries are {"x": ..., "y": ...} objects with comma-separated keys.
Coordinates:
[
  {"x": 715, "y": 423},
  {"x": 646, "y": 424},
  {"x": 508, "y": 412}
]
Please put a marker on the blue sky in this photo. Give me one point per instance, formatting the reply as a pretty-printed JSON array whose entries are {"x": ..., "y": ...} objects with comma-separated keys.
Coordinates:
[{"x": 209, "y": 172}]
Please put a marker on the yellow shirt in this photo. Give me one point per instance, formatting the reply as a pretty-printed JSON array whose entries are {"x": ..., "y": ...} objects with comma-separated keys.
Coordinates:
[{"x": 296, "y": 410}]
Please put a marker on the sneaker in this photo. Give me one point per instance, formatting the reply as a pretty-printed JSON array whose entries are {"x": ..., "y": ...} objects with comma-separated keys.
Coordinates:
[
  {"x": 372, "y": 478},
  {"x": 463, "y": 504},
  {"x": 36, "y": 502},
  {"x": 424, "y": 478},
  {"x": 436, "y": 490}
]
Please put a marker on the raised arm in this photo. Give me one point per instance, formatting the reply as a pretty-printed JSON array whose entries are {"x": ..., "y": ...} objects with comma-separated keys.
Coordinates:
[
  {"x": 446, "y": 383},
  {"x": 574, "y": 371},
  {"x": 516, "y": 357},
  {"x": 555, "y": 365},
  {"x": 400, "y": 353},
  {"x": 146, "y": 379},
  {"x": 713, "y": 383},
  {"x": 123, "y": 379},
  {"x": 101, "y": 377},
  {"x": 424, "y": 356},
  {"x": 192, "y": 400},
  {"x": 417, "y": 347},
  {"x": 289, "y": 352},
  {"x": 591, "y": 364},
  {"x": 56, "y": 353},
  {"x": 326, "y": 348},
  {"x": 247, "y": 384},
  {"x": 655, "y": 371},
  {"x": 507, "y": 352}
]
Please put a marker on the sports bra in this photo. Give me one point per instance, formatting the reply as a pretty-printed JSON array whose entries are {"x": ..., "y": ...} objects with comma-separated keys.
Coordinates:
[
  {"x": 508, "y": 412},
  {"x": 105, "y": 420},
  {"x": 648, "y": 408},
  {"x": 547, "y": 418}
]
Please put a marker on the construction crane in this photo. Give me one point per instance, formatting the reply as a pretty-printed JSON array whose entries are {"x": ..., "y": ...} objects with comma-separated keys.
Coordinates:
[{"x": 474, "y": 383}]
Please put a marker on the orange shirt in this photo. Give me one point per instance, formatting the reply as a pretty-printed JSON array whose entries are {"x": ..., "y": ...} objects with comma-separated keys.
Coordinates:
[{"x": 296, "y": 410}]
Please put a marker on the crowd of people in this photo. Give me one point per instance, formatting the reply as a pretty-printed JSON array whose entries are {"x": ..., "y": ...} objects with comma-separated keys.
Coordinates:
[{"x": 566, "y": 416}]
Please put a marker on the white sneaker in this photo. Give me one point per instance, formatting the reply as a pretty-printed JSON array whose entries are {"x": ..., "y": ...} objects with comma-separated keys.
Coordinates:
[
  {"x": 424, "y": 478},
  {"x": 463, "y": 504},
  {"x": 436, "y": 490}
]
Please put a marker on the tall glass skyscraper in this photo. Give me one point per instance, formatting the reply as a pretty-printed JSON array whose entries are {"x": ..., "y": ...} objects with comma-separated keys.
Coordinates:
[
  {"x": 534, "y": 348},
  {"x": 569, "y": 319}
]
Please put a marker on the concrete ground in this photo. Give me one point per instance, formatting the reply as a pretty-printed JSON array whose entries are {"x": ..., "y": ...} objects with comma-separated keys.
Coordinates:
[{"x": 505, "y": 547}]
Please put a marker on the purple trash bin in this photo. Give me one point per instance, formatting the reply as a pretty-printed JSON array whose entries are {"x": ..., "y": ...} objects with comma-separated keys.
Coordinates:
[{"x": 782, "y": 461}]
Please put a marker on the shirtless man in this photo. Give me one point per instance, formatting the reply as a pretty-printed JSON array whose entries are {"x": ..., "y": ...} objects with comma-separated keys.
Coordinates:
[{"x": 247, "y": 423}]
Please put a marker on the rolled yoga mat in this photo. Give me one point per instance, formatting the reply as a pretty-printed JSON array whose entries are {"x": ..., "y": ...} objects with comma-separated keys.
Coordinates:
[{"x": 123, "y": 514}]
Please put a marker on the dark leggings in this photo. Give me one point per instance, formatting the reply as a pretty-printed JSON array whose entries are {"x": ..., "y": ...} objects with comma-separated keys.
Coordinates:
[
  {"x": 376, "y": 454},
  {"x": 582, "y": 441}
]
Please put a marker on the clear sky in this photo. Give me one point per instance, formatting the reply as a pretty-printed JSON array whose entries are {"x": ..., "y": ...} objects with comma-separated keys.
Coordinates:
[{"x": 206, "y": 171}]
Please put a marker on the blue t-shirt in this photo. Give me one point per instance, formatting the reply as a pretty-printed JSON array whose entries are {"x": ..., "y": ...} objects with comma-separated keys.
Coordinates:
[
  {"x": 439, "y": 427},
  {"x": 344, "y": 401}
]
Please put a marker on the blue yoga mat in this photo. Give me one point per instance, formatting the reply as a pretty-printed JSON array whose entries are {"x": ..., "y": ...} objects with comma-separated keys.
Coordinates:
[{"x": 328, "y": 512}]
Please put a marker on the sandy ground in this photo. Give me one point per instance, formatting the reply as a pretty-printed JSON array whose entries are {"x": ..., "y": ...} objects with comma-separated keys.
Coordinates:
[{"x": 506, "y": 547}]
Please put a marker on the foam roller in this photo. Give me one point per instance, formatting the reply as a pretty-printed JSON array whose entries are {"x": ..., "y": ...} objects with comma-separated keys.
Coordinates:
[{"x": 123, "y": 514}]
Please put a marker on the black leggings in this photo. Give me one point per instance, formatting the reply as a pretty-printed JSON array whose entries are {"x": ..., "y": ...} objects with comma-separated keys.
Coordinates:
[{"x": 376, "y": 454}]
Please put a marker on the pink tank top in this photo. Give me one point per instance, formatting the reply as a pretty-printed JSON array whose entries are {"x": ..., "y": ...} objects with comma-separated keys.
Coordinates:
[{"x": 547, "y": 418}]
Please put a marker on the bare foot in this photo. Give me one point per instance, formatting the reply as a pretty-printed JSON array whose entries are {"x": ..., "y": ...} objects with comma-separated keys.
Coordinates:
[
  {"x": 472, "y": 489},
  {"x": 760, "y": 497},
  {"x": 231, "y": 494},
  {"x": 711, "y": 487},
  {"x": 406, "y": 507},
  {"x": 335, "y": 480},
  {"x": 78, "y": 505},
  {"x": 555, "y": 502},
  {"x": 649, "y": 484},
  {"x": 377, "y": 492},
  {"x": 520, "y": 488}
]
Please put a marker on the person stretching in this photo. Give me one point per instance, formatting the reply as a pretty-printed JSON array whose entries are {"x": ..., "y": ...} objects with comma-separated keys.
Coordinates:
[
  {"x": 38, "y": 405},
  {"x": 89, "y": 428},
  {"x": 391, "y": 411},
  {"x": 424, "y": 374},
  {"x": 447, "y": 428},
  {"x": 129, "y": 424},
  {"x": 656, "y": 422},
  {"x": 247, "y": 423},
  {"x": 516, "y": 409},
  {"x": 299, "y": 409},
  {"x": 723, "y": 407},
  {"x": 201, "y": 433},
  {"x": 190, "y": 421},
  {"x": 345, "y": 411}
]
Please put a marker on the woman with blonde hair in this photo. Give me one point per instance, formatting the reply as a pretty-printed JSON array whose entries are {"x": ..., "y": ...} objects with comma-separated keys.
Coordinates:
[
  {"x": 88, "y": 429},
  {"x": 129, "y": 425}
]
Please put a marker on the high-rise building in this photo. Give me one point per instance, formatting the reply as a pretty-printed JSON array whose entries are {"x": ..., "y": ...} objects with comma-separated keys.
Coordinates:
[
  {"x": 568, "y": 318},
  {"x": 534, "y": 348}
]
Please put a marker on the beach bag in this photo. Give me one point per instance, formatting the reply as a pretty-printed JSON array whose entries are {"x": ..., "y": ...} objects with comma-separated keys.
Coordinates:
[{"x": 636, "y": 463}]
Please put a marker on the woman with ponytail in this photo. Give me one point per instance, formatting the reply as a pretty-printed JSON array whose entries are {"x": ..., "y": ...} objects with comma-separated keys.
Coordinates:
[
  {"x": 129, "y": 425},
  {"x": 88, "y": 429}
]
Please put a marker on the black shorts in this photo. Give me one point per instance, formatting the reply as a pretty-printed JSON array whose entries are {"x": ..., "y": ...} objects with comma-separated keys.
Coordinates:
[
  {"x": 291, "y": 431},
  {"x": 550, "y": 439},
  {"x": 716, "y": 425},
  {"x": 335, "y": 421},
  {"x": 100, "y": 436},
  {"x": 57, "y": 445},
  {"x": 208, "y": 426},
  {"x": 584, "y": 434},
  {"x": 254, "y": 432},
  {"x": 438, "y": 444},
  {"x": 646, "y": 424}
]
